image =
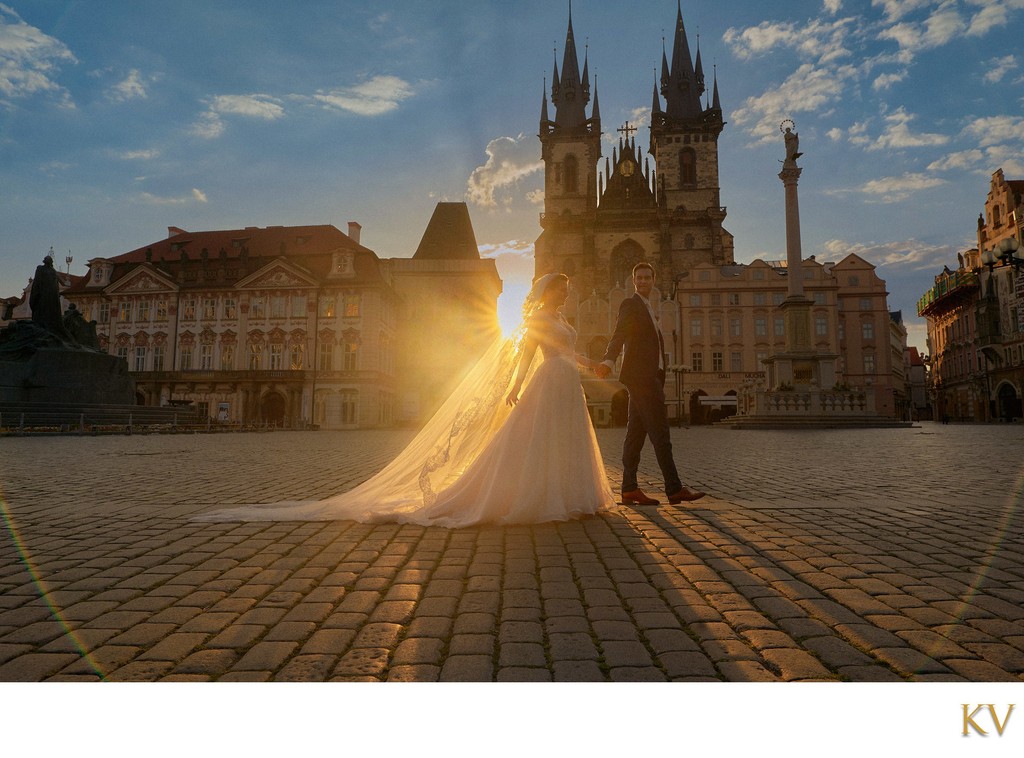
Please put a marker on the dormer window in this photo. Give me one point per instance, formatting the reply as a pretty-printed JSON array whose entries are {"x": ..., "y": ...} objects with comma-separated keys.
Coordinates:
[{"x": 343, "y": 264}]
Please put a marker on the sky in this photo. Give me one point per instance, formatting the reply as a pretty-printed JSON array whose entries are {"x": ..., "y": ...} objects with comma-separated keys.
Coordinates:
[{"x": 118, "y": 120}]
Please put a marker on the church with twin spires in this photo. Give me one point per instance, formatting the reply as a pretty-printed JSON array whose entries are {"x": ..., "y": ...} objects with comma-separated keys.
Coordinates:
[{"x": 602, "y": 216}]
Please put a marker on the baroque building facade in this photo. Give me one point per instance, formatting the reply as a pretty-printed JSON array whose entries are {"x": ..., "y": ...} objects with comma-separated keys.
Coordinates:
[
  {"x": 295, "y": 325},
  {"x": 975, "y": 317}
]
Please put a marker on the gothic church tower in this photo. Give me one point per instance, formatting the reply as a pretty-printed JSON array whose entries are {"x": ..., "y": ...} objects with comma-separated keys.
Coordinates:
[{"x": 598, "y": 220}]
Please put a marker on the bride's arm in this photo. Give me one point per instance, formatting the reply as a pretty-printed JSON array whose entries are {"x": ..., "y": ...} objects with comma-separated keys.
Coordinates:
[
  {"x": 529, "y": 348},
  {"x": 586, "y": 362}
]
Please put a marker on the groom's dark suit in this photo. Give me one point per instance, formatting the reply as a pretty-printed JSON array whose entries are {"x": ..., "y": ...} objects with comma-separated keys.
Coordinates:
[{"x": 645, "y": 381}]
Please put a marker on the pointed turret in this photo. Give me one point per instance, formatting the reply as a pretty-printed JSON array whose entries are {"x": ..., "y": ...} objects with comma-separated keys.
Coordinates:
[
  {"x": 699, "y": 69},
  {"x": 544, "y": 120},
  {"x": 656, "y": 104},
  {"x": 716, "y": 104},
  {"x": 595, "y": 114},
  {"x": 682, "y": 89},
  {"x": 570, "y": 104}
]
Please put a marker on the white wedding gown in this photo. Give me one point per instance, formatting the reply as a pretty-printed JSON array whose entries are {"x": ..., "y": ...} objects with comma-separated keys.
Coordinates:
[{"x": 477, "y": 462}]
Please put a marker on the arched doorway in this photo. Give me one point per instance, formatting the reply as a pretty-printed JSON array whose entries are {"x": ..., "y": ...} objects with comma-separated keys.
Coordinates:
[
  {"x": 625, "y": 255},
  {"x": 272, "y": 409},
  {"x": 1008, "y": 405},
  {"x": 620, "y": 408}
]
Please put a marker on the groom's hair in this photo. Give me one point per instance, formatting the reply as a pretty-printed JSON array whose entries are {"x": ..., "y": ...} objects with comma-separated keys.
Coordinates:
[{"x": 643, "y": 264}]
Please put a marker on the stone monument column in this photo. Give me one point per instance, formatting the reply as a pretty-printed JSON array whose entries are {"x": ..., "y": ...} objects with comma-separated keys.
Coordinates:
[{"x": 797, "y": 306}]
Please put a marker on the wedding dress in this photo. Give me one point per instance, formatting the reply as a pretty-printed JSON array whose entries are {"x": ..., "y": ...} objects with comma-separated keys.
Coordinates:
[{"x": 478, "y": 461}]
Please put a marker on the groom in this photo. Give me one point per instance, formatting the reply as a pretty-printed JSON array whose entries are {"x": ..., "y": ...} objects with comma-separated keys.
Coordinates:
[{"x": 643, "y": 373}]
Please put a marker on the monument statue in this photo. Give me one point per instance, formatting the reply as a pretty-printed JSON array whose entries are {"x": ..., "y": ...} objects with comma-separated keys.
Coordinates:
[
  {"x": 792, "y": 144},
  {"x": 44, "y": 300}
]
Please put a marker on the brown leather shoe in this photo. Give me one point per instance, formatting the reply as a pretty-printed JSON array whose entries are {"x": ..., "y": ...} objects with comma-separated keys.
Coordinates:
[
  {"x": 638, "y": 497},
  {"x": 685, "y": 495}
]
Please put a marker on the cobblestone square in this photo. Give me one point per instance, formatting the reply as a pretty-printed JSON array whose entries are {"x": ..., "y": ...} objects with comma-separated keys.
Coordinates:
[{"x": 858, "y": 555}]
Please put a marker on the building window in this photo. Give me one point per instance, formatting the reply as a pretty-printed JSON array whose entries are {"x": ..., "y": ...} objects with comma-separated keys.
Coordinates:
[
  {"x": 140, "y": 359},
  {"x": 717, "y": 361},
  {"x": 351, "y": 358},
  {"x": 144, "y": 311},
  {"x": 853, "y": 281},
  {"x": 161, "y": 310},
  {"x": 696, "y": 327},
  {"x": 206, "y": 357},
  {"x": 227, "y": 358},
  {"x": 842, "y": 330},
  {"x": 867, "y": 330},
  {"x": 189, "y": 311},
  {"x": 780, "y": 327},
  {"x": 326, "y": 360},
  {"x": 735, "y": 361},
  {"x": 122, "y": 352},
  {"x": 351, "y": 306},
  {"x": 695, "y": 300},
  {"x": 295, "y": 358},
  {"x": 760, "y": 298},
  {"x": 277, "y": 303},
  {"x": 158, "y": 357},
  {"x": 229, "y": 309},
  {"x": 257, "y": 309},
  {"x": 209, "y": 308},
  {"x": 687, "y": 167},
  {"x": 821, "y": 326},
  {"x": 735, "y": 327},
  {"x": 255, "y": 357},
  {"x": 349, "y": 406},
  {"x": 865, "y": 304},
  {"x": 276, "y": 357},
  {"x": 697, "y": 361},
  {"x": 716, "y": 327},
  {"x": 124, "y": 312},
  {"x": 869, "y": 363},
  {"x": 327, "y": 305},
  {"x": 716, "y": 299},
  {"x": 777, "y": 298},
  {"x": 299, "y": 306},
  {"x": 761, "y": 355},
  {"x": 186, "y": 358},
  {"x": 758, "y": 274},
  {"x": 570, "y": 168},
  {"x": 819, "y": 298},
  {"x": 104, "y": 313},
  {"x": 704, "y": 276},
  {"x": 760, "y": 327},
  {"x": 734, "y": 298}
]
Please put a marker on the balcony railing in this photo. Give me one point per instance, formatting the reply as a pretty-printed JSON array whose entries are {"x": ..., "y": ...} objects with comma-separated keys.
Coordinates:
[{"x": 954, "y": 283}]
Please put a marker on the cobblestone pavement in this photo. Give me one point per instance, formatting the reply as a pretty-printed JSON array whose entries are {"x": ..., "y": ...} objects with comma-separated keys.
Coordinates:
[{"x": 863, "y": 555}]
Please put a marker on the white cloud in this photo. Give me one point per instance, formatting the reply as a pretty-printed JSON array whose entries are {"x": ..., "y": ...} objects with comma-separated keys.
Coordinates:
[
  {"x": 964, "y": 159},
  {"x": 897, "y": 9},
  {"x": 835, "y": 134},
  {"x": 195, "y": 196},
  {"x": 536, "y": 197},
  {"x": 815, "y": 39},
  {"x": 1010, "y": 159},
  {"x": 999, "y": 67},
  {"x": 509, "y": 161},
  {"x": 885, "y": 81},
  {"x": 211, "y": 124},
  {"x": 129, "y": 88},
  {"x": 897, "y": 134},
  {"x": 992, "y": 130},
  {"x": 833, "y": 6},
  {"x": 910, "y": 253},
  {"x": 137, "y": 155},
  {"x": 376, "y": 96},
  {"x": 30, "y": 59},
  {"x": 809, "y": 88},
  {"x": 892, "y": 189},
  {"x": 944, "y": 23}
]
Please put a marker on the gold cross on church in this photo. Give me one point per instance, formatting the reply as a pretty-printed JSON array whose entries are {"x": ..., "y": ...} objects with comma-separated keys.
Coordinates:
[{"x": 628, "y": 129}]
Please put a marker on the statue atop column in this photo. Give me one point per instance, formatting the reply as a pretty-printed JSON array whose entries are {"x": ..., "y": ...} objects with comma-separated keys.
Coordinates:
[{"x": 792, "y": 144}]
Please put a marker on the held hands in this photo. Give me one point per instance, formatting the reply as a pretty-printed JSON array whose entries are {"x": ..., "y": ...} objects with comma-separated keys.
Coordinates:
[{"x": 513, "y": 396}]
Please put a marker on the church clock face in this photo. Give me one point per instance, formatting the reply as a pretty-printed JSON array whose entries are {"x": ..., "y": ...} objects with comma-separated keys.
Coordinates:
[{"x": 627, "y": 167}]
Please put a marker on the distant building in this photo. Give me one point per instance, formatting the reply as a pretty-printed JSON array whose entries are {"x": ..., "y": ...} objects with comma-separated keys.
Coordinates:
[
  {"x": 917, "y": 385},
  {"x": 975, "y": 317},
  {"x": 295, "y": 325}
]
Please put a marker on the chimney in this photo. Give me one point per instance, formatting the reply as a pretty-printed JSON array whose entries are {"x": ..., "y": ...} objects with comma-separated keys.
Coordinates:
[
  {"x": 353, "y": 231},
  {"x": 174, "y": 231}
]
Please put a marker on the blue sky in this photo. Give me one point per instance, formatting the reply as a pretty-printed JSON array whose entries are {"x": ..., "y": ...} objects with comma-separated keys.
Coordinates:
[{"x": 119, "y": 119}]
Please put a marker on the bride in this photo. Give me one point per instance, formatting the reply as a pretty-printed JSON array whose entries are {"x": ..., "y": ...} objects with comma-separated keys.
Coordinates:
[{"x": 487, "y": 457}]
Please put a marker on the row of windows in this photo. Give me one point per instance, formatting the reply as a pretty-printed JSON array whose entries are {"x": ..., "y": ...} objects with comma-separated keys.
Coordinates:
[
  {"x": 736, "y": 361},
  {"x": 212, "y": 308},
  {"x": 275, "y": 357},
  {"x": 697, "y": 299},
  {"x": 760, "y": 327}
]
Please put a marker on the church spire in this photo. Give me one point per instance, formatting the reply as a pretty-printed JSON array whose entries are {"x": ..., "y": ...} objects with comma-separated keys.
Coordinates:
[
  {"x": 544, "y": 107},
  {"x": 715, "y": 102},
  {"x": 681, "y": 87},
  {"x": 595, "y": 114},
  {"x": 570, "y": 92}
]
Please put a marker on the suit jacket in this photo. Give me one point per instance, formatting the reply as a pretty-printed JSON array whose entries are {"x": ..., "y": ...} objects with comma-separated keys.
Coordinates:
[{"x": 636, "y": 332}]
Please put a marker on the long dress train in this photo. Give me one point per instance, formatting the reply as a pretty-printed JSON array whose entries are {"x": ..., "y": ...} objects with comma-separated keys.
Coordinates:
[{"x": 477, "y": 462}]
